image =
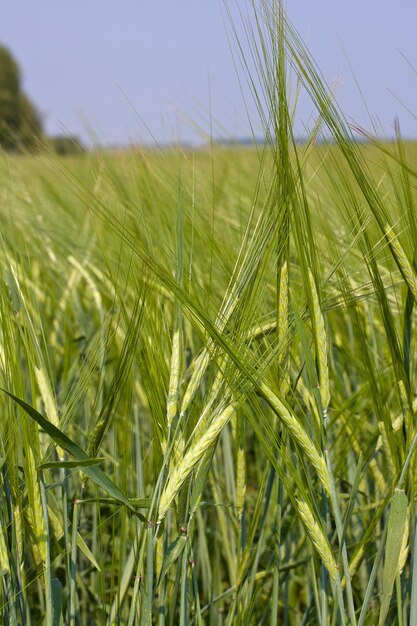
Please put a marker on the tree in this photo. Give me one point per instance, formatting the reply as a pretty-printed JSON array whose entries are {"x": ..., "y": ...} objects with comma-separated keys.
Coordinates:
[
  {"x": 20, "y": 122},
  {"x": 66, "y": 145},
  {"x": 30, "y": 122}
]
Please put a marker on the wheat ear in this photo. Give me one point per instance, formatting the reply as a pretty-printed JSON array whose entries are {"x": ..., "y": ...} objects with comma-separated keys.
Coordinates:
[
  {"x": 318, "y": 538},
  {"x": 299, "y": 435},
  {"x": 321, "y": 346},
  {"x": 193, "y": 455},
  {"x": 402, "y": 260}
]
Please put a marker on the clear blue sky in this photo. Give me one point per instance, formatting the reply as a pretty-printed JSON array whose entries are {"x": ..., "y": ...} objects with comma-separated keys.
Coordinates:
[{"x": 92, "y": 63}]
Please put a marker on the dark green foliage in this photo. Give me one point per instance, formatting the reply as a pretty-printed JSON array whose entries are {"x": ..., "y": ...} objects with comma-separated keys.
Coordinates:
[
  {"x": 66, "y": 144},
  {"x": 9, "y": 98},
  {"x": 20, "y": 122},
  {"x": 30, "y": 122}
]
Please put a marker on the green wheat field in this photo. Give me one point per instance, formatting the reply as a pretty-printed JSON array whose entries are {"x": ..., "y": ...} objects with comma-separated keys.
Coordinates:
[{"x": 208, "y": 373}]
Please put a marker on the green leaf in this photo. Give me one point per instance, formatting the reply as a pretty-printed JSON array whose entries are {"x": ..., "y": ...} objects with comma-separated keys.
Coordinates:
[
  {"x": 94, "y": 472},
  {"x": 56, "y": 602},
  {"x": 70, "y": 464},
  {"x": 396, "y": 525},
  {"x": 172, "y": 554},
  {"x": 140, "y": 503},
  {"x": 87, "y": 552}
]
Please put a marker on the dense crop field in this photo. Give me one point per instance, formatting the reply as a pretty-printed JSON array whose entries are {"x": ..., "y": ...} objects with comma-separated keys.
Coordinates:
[{"x": 207, "y": 359}]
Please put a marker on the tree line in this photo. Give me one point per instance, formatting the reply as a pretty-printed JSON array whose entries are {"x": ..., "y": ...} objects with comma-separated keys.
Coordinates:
[{"x": 21, "y": 126}]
